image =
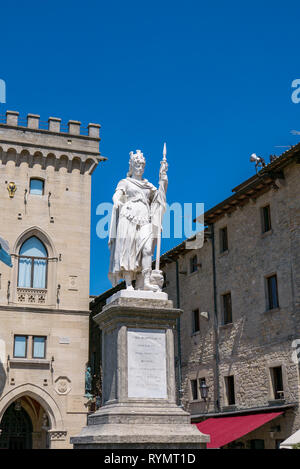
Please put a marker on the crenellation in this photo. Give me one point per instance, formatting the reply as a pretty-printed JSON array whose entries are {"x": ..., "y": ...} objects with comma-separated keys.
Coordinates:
[
  {"x": 12, "y": 118},
  {"x": 55, "y": 309},
  {"x": 94, "y": 130},
  {"x": 32, "y": 132},
  {"x": 54, "y": 124},
  {"x": 74, "y": 127},
  {"x": 33, "y": 121}
]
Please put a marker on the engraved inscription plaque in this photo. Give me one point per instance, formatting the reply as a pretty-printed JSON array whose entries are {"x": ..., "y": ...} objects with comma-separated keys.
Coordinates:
[{"x": 147, "y": 369}]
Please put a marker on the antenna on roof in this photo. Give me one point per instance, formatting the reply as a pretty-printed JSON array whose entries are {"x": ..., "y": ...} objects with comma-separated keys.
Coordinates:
[{"x": 259, "y": 161}]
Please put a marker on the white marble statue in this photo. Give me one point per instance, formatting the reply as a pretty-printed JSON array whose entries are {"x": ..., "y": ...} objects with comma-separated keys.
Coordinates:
[{"x": 136, "y": 226}]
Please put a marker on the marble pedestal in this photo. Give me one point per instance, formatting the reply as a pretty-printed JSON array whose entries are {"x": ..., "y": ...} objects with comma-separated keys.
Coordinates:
[{"x": 139, "y": 398}]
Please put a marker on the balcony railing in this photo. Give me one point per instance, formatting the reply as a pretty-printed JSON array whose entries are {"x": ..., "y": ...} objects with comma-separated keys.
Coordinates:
[{"x": 31, "y": 296}]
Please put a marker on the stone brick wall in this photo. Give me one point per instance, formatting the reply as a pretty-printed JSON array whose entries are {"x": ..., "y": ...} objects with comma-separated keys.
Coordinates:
[{"x": 257, "y": 338}]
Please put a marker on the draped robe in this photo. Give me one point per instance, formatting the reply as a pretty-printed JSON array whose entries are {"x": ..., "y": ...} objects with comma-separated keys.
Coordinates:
[{"x": 132, "y": 224}]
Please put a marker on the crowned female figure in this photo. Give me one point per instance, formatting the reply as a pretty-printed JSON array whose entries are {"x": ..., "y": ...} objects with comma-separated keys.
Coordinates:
[{"x": 136, "y": 224}]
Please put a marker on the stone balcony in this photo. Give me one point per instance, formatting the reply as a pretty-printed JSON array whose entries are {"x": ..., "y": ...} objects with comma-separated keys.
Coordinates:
[{"x": 31, "y": 296}]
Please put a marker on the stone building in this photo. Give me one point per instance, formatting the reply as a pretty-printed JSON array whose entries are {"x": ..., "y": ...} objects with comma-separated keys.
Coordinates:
[
  {"x": 45, "y": 199},
  {"x": 240, "y": 294}
]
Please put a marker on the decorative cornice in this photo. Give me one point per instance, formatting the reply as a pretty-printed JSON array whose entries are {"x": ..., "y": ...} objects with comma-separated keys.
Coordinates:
[{"x": 39, "y": 309}]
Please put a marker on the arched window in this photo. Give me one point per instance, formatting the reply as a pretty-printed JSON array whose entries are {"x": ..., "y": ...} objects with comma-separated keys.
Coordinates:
[{"x": 33, "y": 264}]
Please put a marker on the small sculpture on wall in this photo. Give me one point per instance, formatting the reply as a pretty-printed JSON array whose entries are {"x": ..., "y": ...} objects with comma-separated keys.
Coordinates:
[
  {"x": 88, "y": 383},
  {"x": 11, "y": 189},
  {"x": 62, "y": 385}
]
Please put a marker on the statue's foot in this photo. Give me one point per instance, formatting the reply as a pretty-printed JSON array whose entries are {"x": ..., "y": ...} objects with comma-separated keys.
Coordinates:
[{"x": 130, "y": 288}]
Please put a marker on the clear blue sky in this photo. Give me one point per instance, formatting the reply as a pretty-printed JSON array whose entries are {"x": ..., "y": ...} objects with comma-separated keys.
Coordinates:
[{"x": 213, "y": 79}]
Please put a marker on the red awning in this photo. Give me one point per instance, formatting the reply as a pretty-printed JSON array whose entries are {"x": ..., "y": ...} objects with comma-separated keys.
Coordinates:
[{"x": 223, "y": 430}]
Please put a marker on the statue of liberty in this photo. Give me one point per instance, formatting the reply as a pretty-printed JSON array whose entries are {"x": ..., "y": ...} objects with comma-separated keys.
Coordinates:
[{"x": 136, "y": 226}]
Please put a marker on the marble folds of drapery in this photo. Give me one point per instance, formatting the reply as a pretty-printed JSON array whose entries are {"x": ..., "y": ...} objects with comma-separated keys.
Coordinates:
[{"x": 133, "y": 224}]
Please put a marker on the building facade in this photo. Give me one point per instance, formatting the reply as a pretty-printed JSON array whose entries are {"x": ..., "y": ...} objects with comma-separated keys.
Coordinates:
[
  {"x": 45, "y": 199},
  {"x": 237, "y": 339},
  {"x": 240, "y": 296}
]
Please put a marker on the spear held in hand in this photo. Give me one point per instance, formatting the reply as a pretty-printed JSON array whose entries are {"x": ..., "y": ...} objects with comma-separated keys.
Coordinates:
[{"x": 162, "y": 181}]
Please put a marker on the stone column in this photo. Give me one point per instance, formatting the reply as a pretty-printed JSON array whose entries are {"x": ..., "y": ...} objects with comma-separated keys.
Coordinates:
[{"x": 139, "y": 400}]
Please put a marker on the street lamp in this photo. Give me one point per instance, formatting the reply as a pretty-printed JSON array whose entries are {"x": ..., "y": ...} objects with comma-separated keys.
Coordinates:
[{"x": 204, "y": 390}]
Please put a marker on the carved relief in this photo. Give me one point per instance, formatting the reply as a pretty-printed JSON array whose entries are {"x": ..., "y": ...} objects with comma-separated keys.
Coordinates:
[
  {"x": 28, "y": 295},
  {"x": 73, "y": 282},
  {"x": 57, "y": 435},
  {"x": 62, "y": 385}
]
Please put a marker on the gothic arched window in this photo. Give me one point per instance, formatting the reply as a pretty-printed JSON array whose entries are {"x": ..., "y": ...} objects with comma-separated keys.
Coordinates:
[{"x": 33, "y": 264}]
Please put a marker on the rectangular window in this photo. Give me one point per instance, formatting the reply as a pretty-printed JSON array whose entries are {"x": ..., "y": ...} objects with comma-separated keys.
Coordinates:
[
  {"x": 196, "y": 320},
  {"x": 277, "y": 382},
  {"x": 223, "y": 239},
  {"x": 229, "y": 384},
  {"x": 193, "y": 264},
  {"x": 194, "y": 389},
  {"x": 20, "y": 346},
  {"x": 272, "y": 292},
  {"x": 266, "y": 219},
  {"x": 36, "y": 186},
  {"x": 257, "y": 444},
  {"x": 38, "y": 347},
  {"x": 227, "y": 308}
]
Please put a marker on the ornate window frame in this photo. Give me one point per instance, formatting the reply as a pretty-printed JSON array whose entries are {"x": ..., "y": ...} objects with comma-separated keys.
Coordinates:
[{"x": 32, "y": 296}]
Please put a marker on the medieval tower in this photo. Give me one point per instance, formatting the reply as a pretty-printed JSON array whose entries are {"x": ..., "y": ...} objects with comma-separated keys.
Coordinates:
[{"x": 45, "y": 200}]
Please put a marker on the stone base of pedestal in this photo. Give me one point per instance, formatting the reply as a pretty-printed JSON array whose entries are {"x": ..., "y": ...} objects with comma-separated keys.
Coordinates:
[
  {"x": 128, "y": 427},
  {"x": 139, "y": 394}
]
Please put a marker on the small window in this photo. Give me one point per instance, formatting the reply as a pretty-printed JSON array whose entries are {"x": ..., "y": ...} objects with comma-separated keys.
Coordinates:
[
  {"x": 223, "y": 239},
  {"x": 193, "y": 264},
  {"x": 272, "y": 292},
  {"x": 39, "y": 347},
  {"x": 20, "y": 346},
  {"x": 194, "y": 389},
  {"x": 266, "y": 219},
  {"x": 227, "y": 308},
  {"x": 277, "y": 382},
  {"x": 36, "y": 187},
  {"x": 230, "y": 394},
  {"x": 196, "y": 320},
  {"x": 257, "y": 444}
]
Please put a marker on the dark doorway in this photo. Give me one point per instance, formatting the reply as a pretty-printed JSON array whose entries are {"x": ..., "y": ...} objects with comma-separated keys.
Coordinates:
[{"x": 16, "y": 428}]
